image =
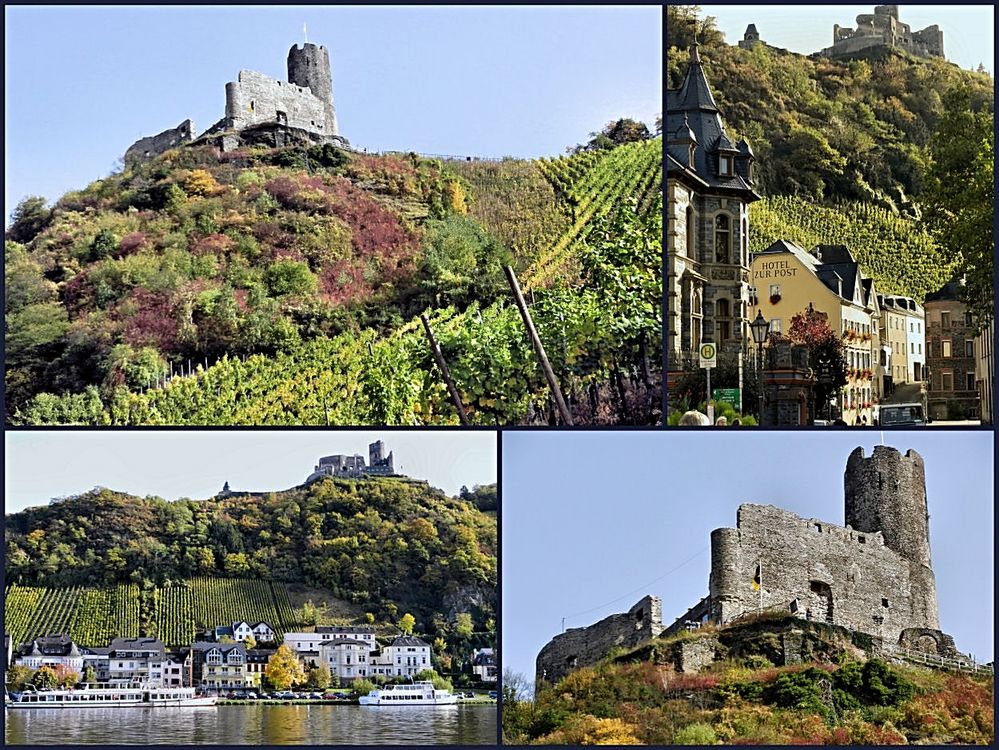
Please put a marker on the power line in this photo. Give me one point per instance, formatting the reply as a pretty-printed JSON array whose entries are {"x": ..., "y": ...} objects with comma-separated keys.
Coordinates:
[{"x": 644, "y": 587}]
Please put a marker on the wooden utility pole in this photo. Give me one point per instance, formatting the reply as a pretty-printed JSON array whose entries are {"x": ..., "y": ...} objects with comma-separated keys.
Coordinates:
[
  {"x": 539, "y": 349},
  {"x": 445, "y": 372}
]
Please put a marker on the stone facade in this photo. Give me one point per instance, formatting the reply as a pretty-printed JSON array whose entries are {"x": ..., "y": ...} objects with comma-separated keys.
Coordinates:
[
  {"x": 146, "y": 148},
  {"x": 581, "y": 647},
  {"x": 883, "y": 29},
  {"x": 256, "y": 99},
  {"x": 952, "y": 391},
  {"x": 309, "y": 67},
  {"x": 871, "y": 576},
  {"x": 709, "y": 189},
  {"x": 751, "y": 38}
]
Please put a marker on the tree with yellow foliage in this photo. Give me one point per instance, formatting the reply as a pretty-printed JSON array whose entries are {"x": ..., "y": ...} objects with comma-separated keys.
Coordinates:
[{"x": 284, "y": 669}]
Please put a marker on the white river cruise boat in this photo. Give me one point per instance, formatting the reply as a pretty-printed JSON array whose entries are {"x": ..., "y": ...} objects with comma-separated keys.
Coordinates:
[
  {"x": 416, "y": 694},
  {"x": 109, "y": 695}
]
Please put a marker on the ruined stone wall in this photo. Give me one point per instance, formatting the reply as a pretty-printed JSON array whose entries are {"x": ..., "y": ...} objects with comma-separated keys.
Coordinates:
[
  {"x": 256, "y": 99},
  {"x": 883, "y": 29},
  {"x": 830, "y": 573},
  {"x": 582, "y": 647},
  {"x": 146, "y": 148},
  {"x": 887, "y": 493}
]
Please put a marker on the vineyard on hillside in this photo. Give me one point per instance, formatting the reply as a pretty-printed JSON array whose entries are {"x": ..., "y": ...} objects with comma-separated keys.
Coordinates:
[
  {"x": 95, "y": 615},
  {"x": 594, "y": 295},
  {"x": 897, "y": 252}
]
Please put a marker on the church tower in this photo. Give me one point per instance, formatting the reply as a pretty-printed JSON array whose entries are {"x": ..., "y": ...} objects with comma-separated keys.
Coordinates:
[{"x": 709, "y": 189}]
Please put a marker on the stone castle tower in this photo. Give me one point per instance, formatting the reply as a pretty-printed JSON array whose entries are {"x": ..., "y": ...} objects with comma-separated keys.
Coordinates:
[
  {"x": 887, "y": 493},
  {"x": 309, "y": 67}
]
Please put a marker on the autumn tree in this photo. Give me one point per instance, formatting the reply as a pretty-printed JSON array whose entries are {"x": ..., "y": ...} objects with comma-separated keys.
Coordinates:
[
  {"x": 250, "y": 642},
  {"x": 320, "y": 677},
  {"x": 825, "y": 350},
  {"x": 284, "y": 669},
  {"x": 67, "y": 677},
  {"x": 406, "y": 623},
  {"x": 46, "y": 676},
  {"x": 18, "y": 676}
]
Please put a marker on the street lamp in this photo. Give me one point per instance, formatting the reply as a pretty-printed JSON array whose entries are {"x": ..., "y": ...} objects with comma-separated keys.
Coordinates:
[{"x": 760, "y": 328}]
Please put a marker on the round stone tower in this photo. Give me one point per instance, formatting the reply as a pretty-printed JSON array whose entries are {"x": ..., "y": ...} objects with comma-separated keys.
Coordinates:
[
  {"x": 309, "y": 67},
  {"x": 887, "y": 493}
]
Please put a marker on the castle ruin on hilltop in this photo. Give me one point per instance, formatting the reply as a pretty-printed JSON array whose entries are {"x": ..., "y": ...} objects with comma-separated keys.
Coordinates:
[
  {"x": 353, "y": 467},
  {"x": 883, "y": 29},
  {"x": 263, "y": 110},
  {"x": 872, "y": 576}
]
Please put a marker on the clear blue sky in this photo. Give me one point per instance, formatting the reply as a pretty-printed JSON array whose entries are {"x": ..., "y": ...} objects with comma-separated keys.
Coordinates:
[
  {"x": 968, "y": 30},
  {"x": 195, "y": 463},
  {"x": 82, "y": 84},
  {"x": 594, "y": 521}
]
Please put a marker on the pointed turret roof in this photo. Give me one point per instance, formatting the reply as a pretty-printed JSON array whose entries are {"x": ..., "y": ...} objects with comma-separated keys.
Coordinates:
[
  {"x": 692, "y": 108},
  {"x": 694, "y": 93}
]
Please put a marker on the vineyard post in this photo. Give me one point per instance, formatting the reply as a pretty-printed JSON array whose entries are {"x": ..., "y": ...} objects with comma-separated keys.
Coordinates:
[
  {"x": 445, "y": 372},
  {"x": 539, "y": 349}
]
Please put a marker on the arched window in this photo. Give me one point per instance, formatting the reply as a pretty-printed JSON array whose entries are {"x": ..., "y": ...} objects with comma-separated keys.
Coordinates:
[{"x": 723, "y": 236}]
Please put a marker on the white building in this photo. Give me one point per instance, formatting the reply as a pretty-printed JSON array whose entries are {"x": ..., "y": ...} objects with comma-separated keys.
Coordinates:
[
  {"x": 406, "y": 657},
  {"x": 51, "y": 651},
  {"x": 240, "y": 631},
  {"x": 307, "y": 642},
  {"x": 484, "y": 664},
  {"x": 346, "y": 657},
  {"x": 136, "y": 660}
]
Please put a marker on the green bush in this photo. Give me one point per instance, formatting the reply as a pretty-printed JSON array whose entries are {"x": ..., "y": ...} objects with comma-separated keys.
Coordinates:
[{"x": 696, "y": 734}]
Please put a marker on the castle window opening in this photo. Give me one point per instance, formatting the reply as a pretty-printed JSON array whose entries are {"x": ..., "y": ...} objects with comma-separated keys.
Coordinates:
[
  {"x": 253, "y": 105},
  {"x": 884, "y": 602},
  {"x": 817, "y": 528},
  {"x": 862, "y": 539}
]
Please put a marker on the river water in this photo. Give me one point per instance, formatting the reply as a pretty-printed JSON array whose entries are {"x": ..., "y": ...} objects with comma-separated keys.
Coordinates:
[{"x": 254, "y": 725}]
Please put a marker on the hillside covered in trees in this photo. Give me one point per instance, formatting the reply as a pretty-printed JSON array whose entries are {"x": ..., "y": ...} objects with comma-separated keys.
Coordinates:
[
  {"x": 870, "y": 150},
  {"x": 749, "y": 696},
  {"x": 380, "y": 546},
  {"x": 283, "y": 286}
]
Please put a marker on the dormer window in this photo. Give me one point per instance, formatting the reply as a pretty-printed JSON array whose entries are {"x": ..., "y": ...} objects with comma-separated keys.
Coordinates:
[
  {"x": 725, "y": 165},
  {"x": 690, "y": 155}
]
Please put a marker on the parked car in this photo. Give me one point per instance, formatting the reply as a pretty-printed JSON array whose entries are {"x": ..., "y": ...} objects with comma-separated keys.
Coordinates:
[{"x": 492, "y": 694}]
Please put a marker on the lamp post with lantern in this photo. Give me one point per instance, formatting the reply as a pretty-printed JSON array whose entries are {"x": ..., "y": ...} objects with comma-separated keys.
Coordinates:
[{"x": 760, "y": 328}]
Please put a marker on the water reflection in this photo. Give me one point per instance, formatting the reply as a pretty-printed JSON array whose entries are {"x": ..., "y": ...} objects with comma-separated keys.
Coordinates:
[{"x": 254, "y": 725}]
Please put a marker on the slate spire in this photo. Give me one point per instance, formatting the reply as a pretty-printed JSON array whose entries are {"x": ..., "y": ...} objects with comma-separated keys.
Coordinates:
[{"x": 695, "y": 92}]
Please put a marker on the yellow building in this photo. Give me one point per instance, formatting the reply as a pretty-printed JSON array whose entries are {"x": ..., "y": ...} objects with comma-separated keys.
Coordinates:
[{"x": 786, "y": 279}]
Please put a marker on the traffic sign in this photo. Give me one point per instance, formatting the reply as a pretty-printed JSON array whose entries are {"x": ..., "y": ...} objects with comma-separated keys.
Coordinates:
[{"x": 709, "y": 353}]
